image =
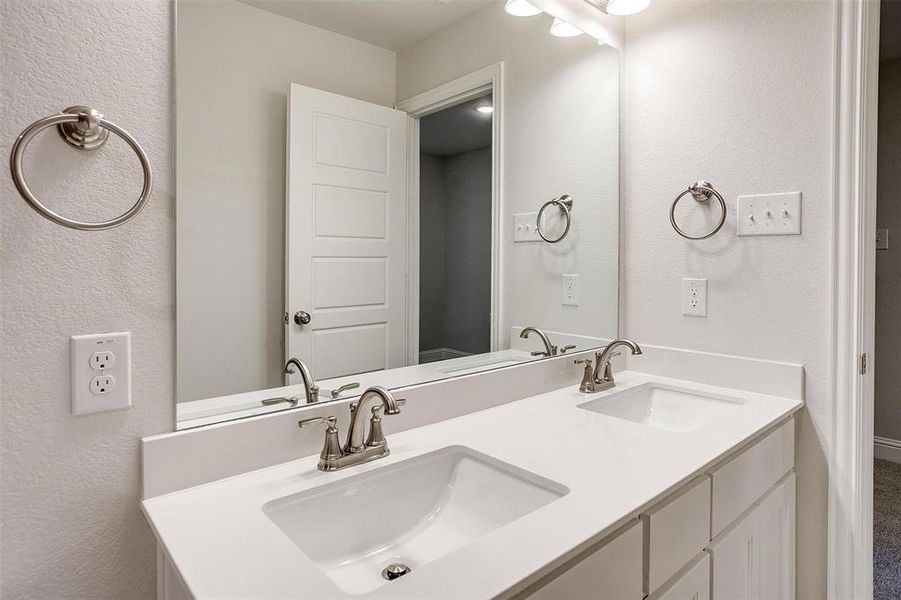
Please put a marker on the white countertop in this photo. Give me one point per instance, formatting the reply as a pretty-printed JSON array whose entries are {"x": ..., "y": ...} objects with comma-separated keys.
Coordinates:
[{"x": 223, "y": 545}]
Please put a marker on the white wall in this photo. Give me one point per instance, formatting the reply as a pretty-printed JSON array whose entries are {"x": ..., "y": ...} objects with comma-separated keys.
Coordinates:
[
  {"x": 561, "y": 135},
  {"x": 71, "y": 525},
  {"x": 888, "y": 262},
  {"x": 739, "y": 93},
  {"x": 235, "y": 63}
]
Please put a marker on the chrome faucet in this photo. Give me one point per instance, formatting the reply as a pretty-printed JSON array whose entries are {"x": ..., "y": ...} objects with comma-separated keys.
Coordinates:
[
  {"x": 549, "y": 348},
  {"x": 603, "y": 358},
  {"x": 355, "y": 451},
  {"x": 310, "y": 388}
]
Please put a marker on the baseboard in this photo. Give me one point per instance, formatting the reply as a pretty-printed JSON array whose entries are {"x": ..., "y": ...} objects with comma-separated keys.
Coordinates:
[{"x": 887, "y": 449}]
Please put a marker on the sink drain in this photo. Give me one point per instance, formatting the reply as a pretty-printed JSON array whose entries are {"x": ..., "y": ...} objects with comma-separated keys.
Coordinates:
[{"x": 395, "y": 570}]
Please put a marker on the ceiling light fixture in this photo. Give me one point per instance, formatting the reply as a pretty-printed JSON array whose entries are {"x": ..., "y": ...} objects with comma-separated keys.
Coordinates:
[
  {"x": 626, "y": 7},
  {"x": 521, "y": 8},
  {"x": 486, "y": 109},
  {"x": 561, "y": 28}
]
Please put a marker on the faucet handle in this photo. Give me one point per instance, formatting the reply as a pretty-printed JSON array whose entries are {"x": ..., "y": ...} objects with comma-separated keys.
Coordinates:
[
  {"x": 331, "y": 448},
  {"x": 566, "y": 348},
  {"x": 539, "y": 353},
  {"x": 376, "y": 435},
  {"x": 587, "y": 385},
  {"x": 331, "y": 421}
]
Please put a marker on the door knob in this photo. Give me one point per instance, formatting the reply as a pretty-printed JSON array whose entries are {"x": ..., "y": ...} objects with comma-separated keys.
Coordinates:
[{"x": 302, "y": 317}]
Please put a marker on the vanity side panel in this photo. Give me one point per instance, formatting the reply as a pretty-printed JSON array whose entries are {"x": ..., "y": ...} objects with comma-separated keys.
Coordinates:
[{"x": 612, "y": 572}]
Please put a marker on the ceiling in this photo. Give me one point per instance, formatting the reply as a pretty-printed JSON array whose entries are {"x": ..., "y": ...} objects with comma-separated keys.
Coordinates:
[
  {"x": 890, "y": 30},
  {"x": 391, "y": 24},
  {"x": 457, "y": 129}
]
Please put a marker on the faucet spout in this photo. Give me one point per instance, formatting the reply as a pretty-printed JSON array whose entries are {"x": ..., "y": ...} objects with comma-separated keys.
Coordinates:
[
  {"x": 311, "y": 390},
  {"x": 355, "y": 433},
  {"x": 606, "y": 382},
  {"x": 549, "y": 348}
]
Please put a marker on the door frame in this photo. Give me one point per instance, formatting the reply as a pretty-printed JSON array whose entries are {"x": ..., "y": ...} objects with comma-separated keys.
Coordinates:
[
  {"x": 467, "y": 87},
  {"x": 850, "y": 520}
]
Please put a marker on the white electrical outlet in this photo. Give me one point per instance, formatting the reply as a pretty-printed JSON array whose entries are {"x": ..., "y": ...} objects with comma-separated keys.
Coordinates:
[
  {"x": 569, "y": 290},
  {"x": 101, "y": 372},
  {"x": 525, "y": 227},
  {"x": 694, "y": 297}
]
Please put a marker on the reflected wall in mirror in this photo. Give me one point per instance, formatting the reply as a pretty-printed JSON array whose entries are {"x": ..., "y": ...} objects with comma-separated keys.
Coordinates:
[{"x": 358, "y": 185}]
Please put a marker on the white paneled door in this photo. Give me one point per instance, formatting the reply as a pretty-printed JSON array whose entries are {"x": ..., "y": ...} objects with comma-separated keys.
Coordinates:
[{"x": 346, "y": 239}]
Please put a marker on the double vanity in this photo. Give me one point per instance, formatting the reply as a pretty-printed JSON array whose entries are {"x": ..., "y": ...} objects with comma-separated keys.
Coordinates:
[{"x": 659, "y": 487}]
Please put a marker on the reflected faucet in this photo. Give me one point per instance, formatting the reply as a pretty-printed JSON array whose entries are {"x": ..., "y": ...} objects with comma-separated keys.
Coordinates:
[
  {"x": 310, "y": 388},
  {"x": 549, "y": 348}
]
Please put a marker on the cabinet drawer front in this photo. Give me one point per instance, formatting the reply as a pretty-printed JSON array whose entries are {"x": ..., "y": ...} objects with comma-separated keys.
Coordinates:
[
  {"x": 746, "y": 477},
  {"x": 610, "y": 572},
  {"x": 694, "y": 584},
  {"x": 676, "y": 531}
]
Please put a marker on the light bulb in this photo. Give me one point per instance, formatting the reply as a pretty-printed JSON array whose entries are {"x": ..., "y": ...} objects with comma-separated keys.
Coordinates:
[
  {"x": 561, "y": 28},
  {"x": 521, "y": 8},
  {"x": 486, "y": 109},
  {"x": 626, "y": 7}
]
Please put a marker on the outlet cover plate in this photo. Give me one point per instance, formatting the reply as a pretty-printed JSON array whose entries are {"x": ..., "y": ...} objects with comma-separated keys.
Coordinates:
[
  {"x": 525, "y": 227},
  {"x": 569, "y": 290},
  {"x": 770, "y": 214},
  {"x": 694, "y": 297},
  {"x": 83, "y": 349}
]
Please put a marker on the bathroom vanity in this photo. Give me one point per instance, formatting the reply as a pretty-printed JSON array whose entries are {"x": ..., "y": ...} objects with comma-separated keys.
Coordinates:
[{"x": 659, "y": 487}]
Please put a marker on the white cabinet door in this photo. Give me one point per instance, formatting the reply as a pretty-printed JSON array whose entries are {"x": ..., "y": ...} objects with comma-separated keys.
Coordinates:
[
  {"x": 754, "y": 559},
  {"x": 346, "y": 244},
  {"x": 612, "y": 572},
  {"x": 777, "y": 542},
  {"x": 735, "y": 561},
  {"x": 694, "y": 584}
]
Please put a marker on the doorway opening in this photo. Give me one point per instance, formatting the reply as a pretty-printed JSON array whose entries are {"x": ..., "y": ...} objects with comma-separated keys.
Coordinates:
[
  {"x": 887, "y": 374},
  {"x": 455, "y": 167}
]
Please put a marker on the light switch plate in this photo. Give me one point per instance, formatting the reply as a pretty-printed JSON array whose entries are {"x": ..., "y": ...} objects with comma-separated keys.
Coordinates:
[
  {"x": 100, "y": 372},
  {"x": 882, "y": 239},
  {"x": 694, "y": 297},
  {"x": 525, "y": 227},
  {"x": 770, "y": 214}
]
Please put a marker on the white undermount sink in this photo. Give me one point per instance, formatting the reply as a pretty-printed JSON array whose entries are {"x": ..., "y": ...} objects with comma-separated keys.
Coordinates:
[
  {"x": 664, "y": 407},
  {"x": 411, "y": 512}
]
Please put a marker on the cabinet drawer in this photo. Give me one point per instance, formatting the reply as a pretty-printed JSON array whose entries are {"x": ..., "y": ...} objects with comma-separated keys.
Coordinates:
[
  {"x": 609, "y": 572},
  {"x": 746, "y": 477},
  {"x": 676, "y": 530},
  {"x": 693, "y": 584}
]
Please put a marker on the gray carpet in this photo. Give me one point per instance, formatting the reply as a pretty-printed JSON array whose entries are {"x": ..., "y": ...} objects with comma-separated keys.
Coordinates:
[{"x": 886, "y": 530}]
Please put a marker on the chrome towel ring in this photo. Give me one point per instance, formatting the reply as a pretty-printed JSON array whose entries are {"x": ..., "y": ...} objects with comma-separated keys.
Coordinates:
[
  {"x": 701, "y": 192},
  {"x": 565, "y": 203},
  {"x": 84, "y": 128}
]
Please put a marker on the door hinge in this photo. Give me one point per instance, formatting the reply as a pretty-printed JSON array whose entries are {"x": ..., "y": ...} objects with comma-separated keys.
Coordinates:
[{"x": 863, "y": 363}]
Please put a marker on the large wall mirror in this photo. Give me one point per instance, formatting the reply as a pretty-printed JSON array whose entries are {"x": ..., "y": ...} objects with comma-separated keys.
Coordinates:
[{"x": 358, "y": 187}]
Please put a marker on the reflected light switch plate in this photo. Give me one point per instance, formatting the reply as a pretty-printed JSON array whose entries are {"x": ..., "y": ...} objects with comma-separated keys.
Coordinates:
[
  {"x": 525, "y": 227},
  {"x": 882, "y": 239}
]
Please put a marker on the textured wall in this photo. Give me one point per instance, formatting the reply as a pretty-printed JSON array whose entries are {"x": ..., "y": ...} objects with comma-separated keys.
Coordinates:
[
  {"x": 739, "y": 93},
  {"x": 71, "y": 525},
  {"x": 888, "y": 262},
  {"x": 235, "y": 64}
]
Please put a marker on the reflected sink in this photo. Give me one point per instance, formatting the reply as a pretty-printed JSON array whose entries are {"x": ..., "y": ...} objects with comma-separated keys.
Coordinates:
[
  {"x": 664, "y": 407},
  {"x": 412, "y": 512}
]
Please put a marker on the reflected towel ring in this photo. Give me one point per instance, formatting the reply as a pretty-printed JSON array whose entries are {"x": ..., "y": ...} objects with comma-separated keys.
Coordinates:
[
  {"x": 701, "y": 192},
  {"x": 566, "y": 205},
  {"x": 84, "y": 128}
]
